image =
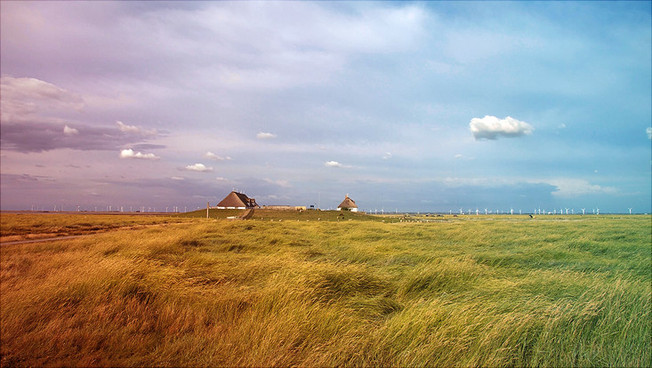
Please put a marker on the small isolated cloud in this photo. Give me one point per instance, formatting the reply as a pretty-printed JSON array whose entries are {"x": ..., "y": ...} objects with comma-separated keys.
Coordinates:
[
  {"x": 199, "y": 168},
  {"x": 215, "y": 157},
  {"x": 335, "y": 164},
  {"x": 178, "y": 178},
  {"x": 264, "y": 135},
  {"x": 129, "y": 153},
  {"x": 70, "y": 131},
  {"x": 649, "y": 132},
  {"x": 387, "y": 156},
  {"x": 491, "y": 127},
  {"x": 458, "y": 156},
  {"x": 132, "y": 129},
  {"x": 219, "y": 178},
  {"x": 332, "y": 164}
]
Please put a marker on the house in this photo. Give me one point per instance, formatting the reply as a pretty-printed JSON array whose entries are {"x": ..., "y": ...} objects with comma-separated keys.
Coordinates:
[
  {"x": 348, "y": 204},
  {"x": 238, "y": 201}
]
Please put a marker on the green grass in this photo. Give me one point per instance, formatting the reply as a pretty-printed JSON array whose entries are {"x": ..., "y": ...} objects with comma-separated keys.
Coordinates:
[
  {"x": 287, "y": 215},
  {"x": 471, "y": 291}
]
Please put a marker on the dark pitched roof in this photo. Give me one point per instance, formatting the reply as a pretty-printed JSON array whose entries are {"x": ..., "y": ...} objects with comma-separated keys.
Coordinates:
[
  {"x": 347, "y": 203},
  {"x": 235, "y": 199}
]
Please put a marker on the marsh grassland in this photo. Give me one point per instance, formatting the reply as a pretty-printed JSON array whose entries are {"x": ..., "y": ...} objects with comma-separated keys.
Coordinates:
[{"x": 468, "y": 291}]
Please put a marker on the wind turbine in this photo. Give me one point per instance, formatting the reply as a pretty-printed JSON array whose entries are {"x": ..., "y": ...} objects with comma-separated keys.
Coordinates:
[
  {"x": 630, "y": 211},
  {"x": 582, "y": 211}
]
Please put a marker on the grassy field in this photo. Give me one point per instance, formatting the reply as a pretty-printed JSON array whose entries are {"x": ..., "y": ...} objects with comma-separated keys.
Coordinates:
[
  {"x": 468, "y": 291},
  {"x": 21, "y": 226}
]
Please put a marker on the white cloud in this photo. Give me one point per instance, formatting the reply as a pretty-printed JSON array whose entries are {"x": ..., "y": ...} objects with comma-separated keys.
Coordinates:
[
  {"x": 387, "y": 156},
  {"x": 567, "y": 188},
  {"x": 649, "y": 132},
  {"x": 129, "y": 153},
  {"x": 199, "y": 168},
  {"x": 70, "y": 131},
  {"x": 491, "y": 127},
  {"x": 219, "y": 178},
  {"x": 333, "y": 164},
  {"x": 134, "y": 129},
  {"x": 178, "y": 178},
  {"x": 215, "y": 157},
  {"x": 264, "y": 135},
  {"x": 458, "y": 156}
]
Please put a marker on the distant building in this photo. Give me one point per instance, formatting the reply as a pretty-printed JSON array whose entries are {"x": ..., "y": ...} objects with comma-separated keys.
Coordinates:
[
  {"x": 348, "y": 204},
  {"x": 237, "y": 201}
]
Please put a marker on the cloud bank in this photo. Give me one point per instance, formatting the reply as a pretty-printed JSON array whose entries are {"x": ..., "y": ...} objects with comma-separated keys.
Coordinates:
[
  {"x": 34, "y": 110},
  {"x": 568, "y": 188},
  {"x": 491, "y": 127},
  {"x": 23, "y": 98}
]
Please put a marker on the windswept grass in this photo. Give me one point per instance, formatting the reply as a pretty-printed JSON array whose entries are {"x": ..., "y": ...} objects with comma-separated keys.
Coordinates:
[
  {"x": 18, "y": 226},
  {"x": 470, "y": 292}
]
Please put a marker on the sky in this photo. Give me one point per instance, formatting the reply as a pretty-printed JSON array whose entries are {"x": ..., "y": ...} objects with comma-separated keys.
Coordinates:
[{"x": 404, "y": 106}]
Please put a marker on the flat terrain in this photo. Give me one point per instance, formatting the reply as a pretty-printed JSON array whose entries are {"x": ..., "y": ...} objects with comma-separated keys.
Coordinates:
[
  {"x": 325, "y": 291},
  {"x": 28, "y": 226}
]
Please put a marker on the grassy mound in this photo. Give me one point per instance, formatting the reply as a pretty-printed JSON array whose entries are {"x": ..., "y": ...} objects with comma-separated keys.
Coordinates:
[{"x": 286, "y": 215}]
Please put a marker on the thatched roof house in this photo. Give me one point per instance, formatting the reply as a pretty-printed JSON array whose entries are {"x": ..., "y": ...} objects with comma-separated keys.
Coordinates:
[
  {"x": 348, "y": 204},
  {"x": 235, "y": 200}
]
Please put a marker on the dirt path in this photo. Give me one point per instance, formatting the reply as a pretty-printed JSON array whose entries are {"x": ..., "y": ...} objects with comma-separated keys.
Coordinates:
[
  {"x": 65, "y": 237},
  {"x": 45, "y": 239},
  {"x": 247, "y": 215}
]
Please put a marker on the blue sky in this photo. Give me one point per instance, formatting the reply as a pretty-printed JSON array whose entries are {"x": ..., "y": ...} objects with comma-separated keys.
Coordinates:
[{"x": 423, "y": 106}]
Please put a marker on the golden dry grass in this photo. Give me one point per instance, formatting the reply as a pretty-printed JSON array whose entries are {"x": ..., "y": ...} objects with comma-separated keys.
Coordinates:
[{"x": 498, "y": 292}]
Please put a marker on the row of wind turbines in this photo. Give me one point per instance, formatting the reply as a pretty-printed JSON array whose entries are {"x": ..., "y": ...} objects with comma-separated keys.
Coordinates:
[
  {"x": 108, "y": 208},
  {"x": 537, "y": 211}
]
